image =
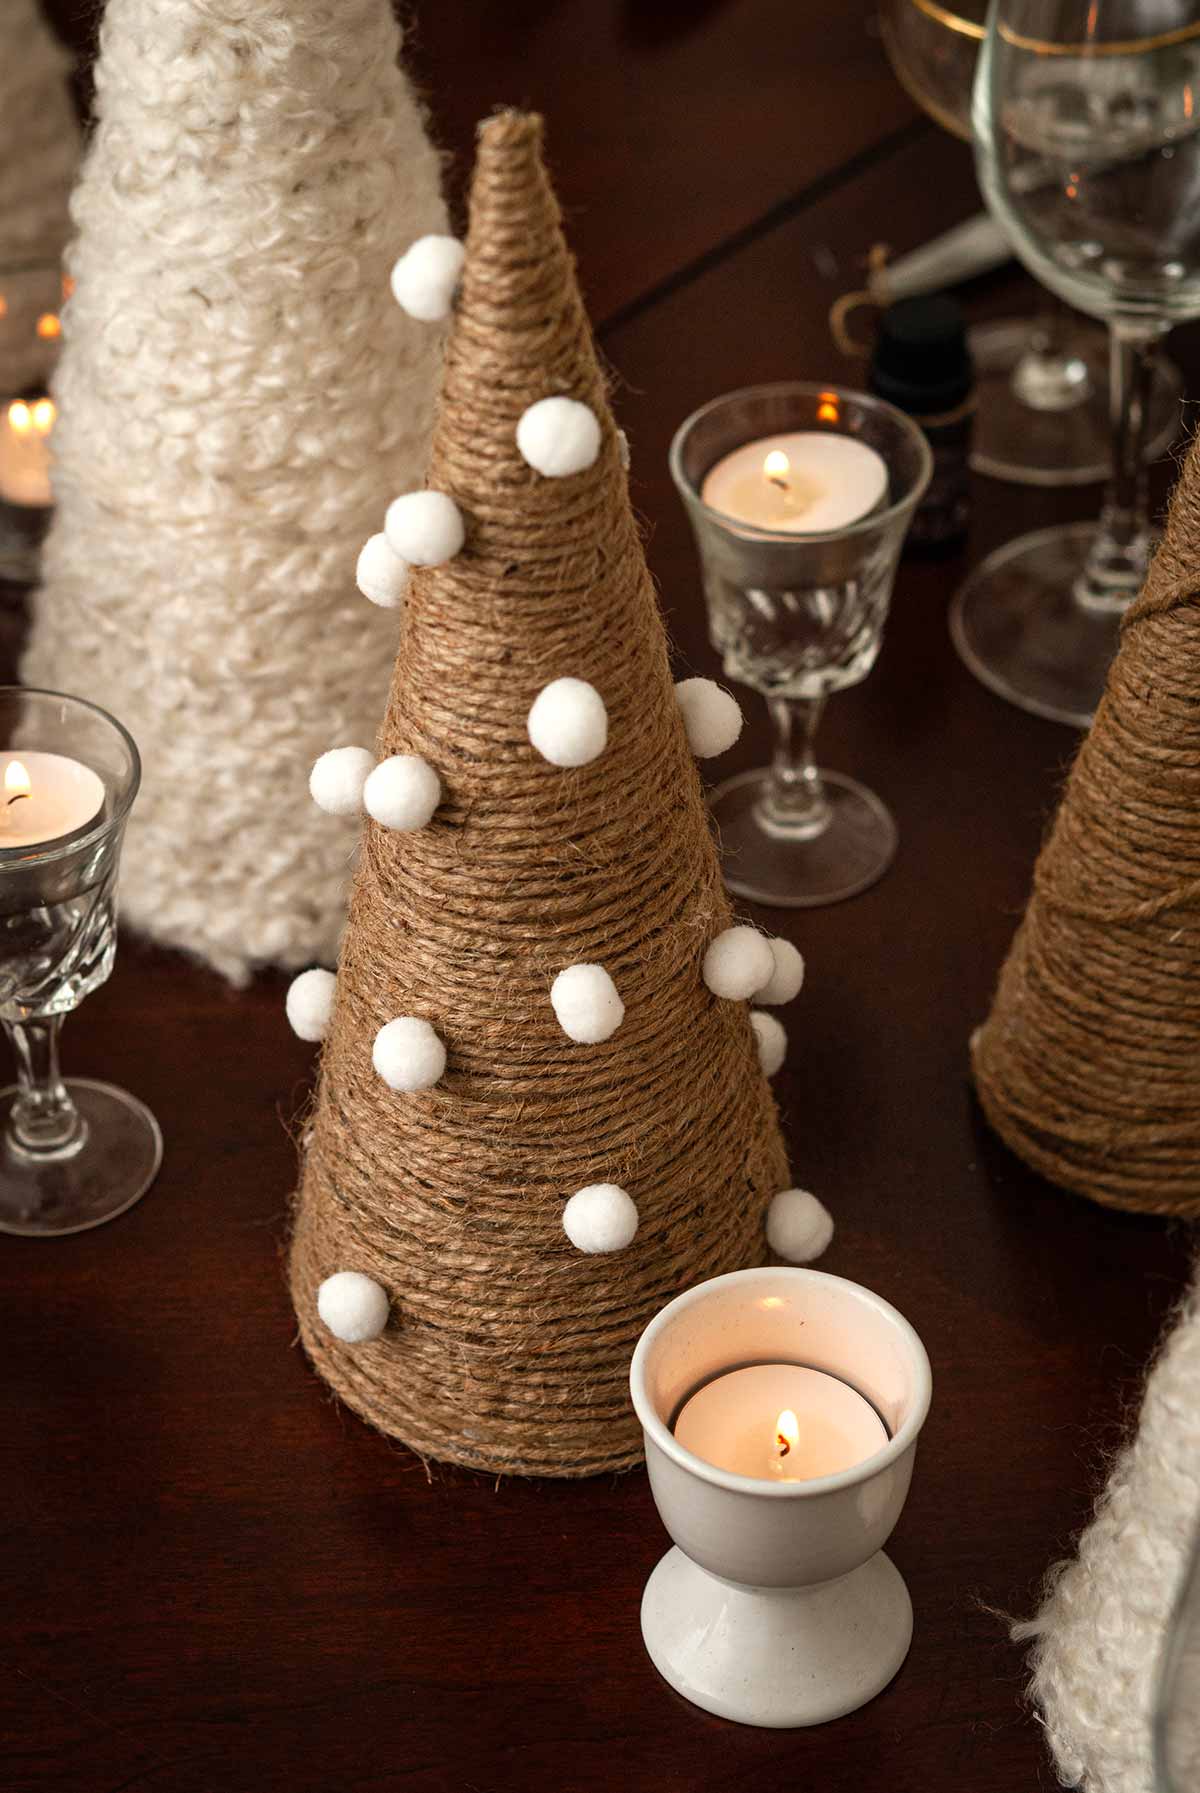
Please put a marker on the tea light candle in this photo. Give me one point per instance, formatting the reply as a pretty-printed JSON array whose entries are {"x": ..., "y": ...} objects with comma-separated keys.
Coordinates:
[
  {"x": 780, "y": 1422},
  {"x": 44, "y": 796},
  {"x": 25, "y": 452},
  {"x": 808, "y": 483}
]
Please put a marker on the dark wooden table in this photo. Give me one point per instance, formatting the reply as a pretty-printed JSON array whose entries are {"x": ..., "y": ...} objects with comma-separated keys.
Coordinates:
[{"x": 217, "y": 1579}]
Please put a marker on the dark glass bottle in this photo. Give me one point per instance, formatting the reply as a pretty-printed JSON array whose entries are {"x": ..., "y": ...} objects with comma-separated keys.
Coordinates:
[{"x": 922, "y": 365}]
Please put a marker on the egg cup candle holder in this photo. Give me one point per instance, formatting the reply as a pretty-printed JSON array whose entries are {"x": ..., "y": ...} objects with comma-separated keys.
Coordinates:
[
  {"x": 800, "y": 497},
  {"x": 777, "y": 1605},
  {"x": 72, "y": 1153},
  {"x": 30, "y": 332}
]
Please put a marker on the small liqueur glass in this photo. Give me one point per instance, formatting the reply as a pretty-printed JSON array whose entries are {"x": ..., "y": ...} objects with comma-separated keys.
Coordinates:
[
  {"x": 72, "y": 1153},
  {"x": 797, "y": 616}
]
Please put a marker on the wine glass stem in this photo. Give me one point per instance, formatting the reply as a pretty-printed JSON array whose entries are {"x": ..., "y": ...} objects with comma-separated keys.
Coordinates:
[
  {"x": 44, "y": 1123},
  {"x": 1120, "y": 554},
  {"x": 794, "y": 802}
]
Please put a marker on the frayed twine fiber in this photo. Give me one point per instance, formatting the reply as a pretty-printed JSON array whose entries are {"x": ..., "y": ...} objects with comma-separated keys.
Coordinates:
[
  {"x": 508, "y": 1350},
  {"x": 1089, "y": 1064}
]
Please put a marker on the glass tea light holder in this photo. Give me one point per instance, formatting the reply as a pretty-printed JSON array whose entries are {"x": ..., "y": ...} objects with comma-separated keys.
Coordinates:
[
  {"x": 780, "y": 1409},
  {"x": 800, "y": 497},
  {"x": 73, "y": 1153},
  {"x": 31, "y": 299}
]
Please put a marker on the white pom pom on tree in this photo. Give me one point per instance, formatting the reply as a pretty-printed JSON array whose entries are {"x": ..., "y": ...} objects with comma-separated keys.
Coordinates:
[
  {"x": 240, "y": 397},
  {"x": 592, "y": 1131}
]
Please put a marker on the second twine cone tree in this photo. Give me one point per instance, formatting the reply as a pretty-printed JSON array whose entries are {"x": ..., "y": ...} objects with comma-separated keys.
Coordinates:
[
  {"x": 507, "y": 1348},
  {"x": 1088, "y": 1064}
]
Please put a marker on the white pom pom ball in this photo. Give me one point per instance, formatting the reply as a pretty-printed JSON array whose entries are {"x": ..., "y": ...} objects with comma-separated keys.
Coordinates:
[
  {"x": 587, "y": 1005},
  {"x": 402, "y": 792},
  {"x": 381, "y": 575},
  {"x": 408, "y": 1054},
  {"x": 353, "y": 1306},
  {"x": 337, "y": 779},
  {"x": 738, "y": 962},
  {"x": 601, "y": 1217},
  {"x": 558, "y": 436},
  {"x": 799, "y": 1227},
  {"x": 772, "y": 1041},
  {"x": 787, "y": 978},
  {"x": 712, "y": 718},
  {"x": 309, "y": 1003},
  {"x": 424, "y": 528},
  {"x": 568, "y": 723},
  {"x": 424, "y": 279}
]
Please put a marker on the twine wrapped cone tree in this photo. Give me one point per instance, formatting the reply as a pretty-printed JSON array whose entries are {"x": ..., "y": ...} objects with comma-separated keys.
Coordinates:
[
  {"x": 509, "y": 1171},
  {"x": 238, "y": 398},
  {"x": 1089, "y": 1064}
]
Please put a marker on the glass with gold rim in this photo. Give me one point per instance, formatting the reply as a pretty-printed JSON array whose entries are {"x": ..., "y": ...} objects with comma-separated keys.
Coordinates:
[
  {"x": 1087, "y": 141},
  {"x": 1042, "y": 382}
]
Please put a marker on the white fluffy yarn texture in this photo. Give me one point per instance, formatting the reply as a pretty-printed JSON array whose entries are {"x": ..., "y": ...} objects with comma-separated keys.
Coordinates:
[
  {"x": 240, "y": 397},
  {"x": 39, "y": 159},
  {"x": 1101, "y": 1630}
]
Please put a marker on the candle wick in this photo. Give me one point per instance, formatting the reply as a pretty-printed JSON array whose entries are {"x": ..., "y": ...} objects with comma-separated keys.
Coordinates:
[
  {"x": 20, "y": 795},
  {"x": 774, "y": 480},
  {"x": 784, "y": 1446}
]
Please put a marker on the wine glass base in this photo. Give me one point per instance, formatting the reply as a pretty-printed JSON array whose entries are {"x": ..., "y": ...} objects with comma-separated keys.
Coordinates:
[
  {"x": 1069, "y": 447},
  {"x": 1018, "y": 628},
  {"x": 851, "y": 853},
  {"x": 111, "y": 1170}
]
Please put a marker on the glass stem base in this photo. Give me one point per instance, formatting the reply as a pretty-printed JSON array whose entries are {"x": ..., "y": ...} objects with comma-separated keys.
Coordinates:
[
  {"x": 106, "y": 1167},
  {"x": 808, "y": 860}
]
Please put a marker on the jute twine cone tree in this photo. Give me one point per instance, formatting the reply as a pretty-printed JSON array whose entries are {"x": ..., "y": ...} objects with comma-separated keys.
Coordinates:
[
  {"x": 536, "y": 1121},
  {"x": 1089, "y": 1065},
  {"x": 238, "y": 398}
]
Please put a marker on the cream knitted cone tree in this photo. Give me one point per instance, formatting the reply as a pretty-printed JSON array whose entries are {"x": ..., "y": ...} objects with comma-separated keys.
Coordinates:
[
  {"x": 1089, "y": 1064},
  {"x": 239, "y": 397},
  {"x": 507, "y": 1347}
]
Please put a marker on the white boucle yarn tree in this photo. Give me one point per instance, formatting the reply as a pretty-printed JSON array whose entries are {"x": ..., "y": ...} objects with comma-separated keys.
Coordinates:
[
  {"x": 39, "y": 159},
  {"x": 543, "y": 1105},
  {"x": 239, "y": 396}
]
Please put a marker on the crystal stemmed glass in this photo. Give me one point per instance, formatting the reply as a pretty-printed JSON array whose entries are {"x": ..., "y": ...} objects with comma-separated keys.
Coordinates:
[
  {"x": 1086, "y": 140},
  {"x": 797, "y": 616},
  {"x": 31, "y": 300},
  {"x": 1041, "y": 382},
  {"x": 72, "y": 1153}
]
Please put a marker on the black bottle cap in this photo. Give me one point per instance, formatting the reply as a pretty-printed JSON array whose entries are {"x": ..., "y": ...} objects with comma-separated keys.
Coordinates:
[{"x": 922, "y": 362}]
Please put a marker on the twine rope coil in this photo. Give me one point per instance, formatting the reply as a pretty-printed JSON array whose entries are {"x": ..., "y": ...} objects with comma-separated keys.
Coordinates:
[
  {"x": 509, "y": 1349},
  {"x": 1088, "y": 1065}
]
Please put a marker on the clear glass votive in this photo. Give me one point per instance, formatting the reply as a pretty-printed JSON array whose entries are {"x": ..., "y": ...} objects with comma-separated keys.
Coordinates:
[
  {"x": 31, "y": 300},
  {"x": 73, "y": 1153},
  {"x": 796, "y": 616}
]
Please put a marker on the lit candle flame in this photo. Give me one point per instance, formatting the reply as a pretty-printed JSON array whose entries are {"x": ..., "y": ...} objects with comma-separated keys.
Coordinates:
[
  {"x": 776, "y": 468},
  {"x": 827, "y": 408},
  {"x": 17, "y": 783},
  {"x": 43, "y": 416},
  {"x": 787, "y": 1432},
  {"x": 49, "y": 325},
  {"x": 20, "y": 417}
]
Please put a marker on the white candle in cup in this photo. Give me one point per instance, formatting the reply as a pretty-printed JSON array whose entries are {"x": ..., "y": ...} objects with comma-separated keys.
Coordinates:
[
  {"x": 44, "y": 796},
  {"x": 780, "y": 1422},
  {"x": 25, "y": 452},
  {"x": 812, "y": 482}
]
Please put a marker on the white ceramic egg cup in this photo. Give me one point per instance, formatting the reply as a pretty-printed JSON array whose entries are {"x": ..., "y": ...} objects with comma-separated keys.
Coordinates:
[{"x": 777, "y": 1606}]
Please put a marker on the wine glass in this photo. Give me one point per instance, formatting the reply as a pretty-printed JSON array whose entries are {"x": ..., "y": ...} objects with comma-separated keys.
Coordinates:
[
  {"x": 1085, "y": 123},
  {"x": 1041, "y": 383},
  {"x": 72, "y": 1154},
  {"x": 797, "y": 615}
]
